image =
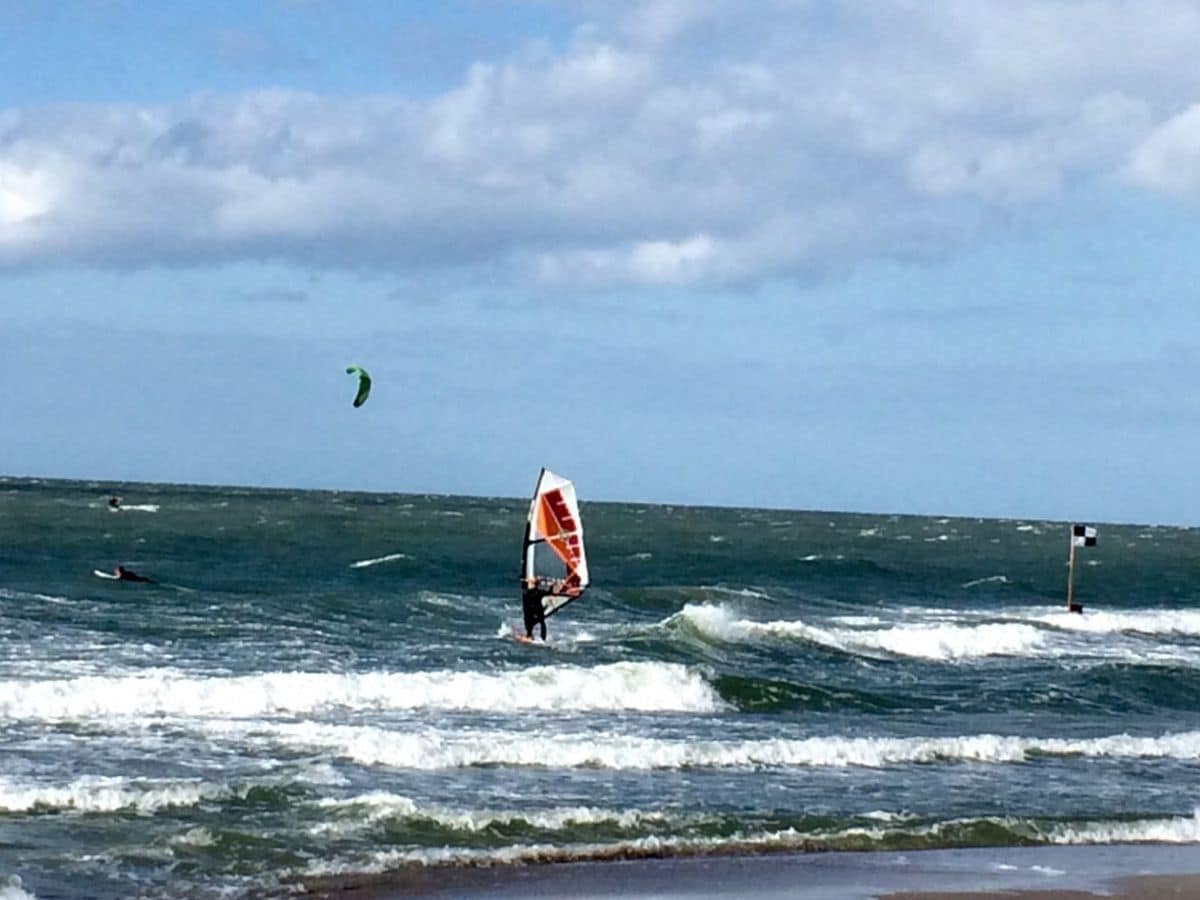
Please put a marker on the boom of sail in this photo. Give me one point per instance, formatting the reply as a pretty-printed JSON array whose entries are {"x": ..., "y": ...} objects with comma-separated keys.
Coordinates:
[{"x": 553, "y": 552}]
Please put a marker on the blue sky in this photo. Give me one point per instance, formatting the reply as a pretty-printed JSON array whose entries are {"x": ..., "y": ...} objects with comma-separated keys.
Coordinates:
[{"x": 890, "y": 257}]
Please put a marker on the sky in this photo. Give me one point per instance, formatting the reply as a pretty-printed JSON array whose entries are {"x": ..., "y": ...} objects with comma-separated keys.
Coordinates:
[{"x": 892, "y": 257}]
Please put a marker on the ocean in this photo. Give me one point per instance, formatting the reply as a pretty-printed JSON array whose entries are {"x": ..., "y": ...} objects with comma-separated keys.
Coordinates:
[{"x": 324, "y": 683}]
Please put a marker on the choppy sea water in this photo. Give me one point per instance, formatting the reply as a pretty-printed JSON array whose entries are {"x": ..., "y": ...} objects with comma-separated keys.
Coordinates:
[{"x": 324, "y": 683}]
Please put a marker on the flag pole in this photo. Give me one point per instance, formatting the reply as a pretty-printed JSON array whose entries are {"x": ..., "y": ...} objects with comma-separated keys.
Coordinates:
[{"x": 1071, "y": 571}]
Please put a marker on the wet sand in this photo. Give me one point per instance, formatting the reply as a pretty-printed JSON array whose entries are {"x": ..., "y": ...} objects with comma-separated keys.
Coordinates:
[
  {"x": 1132, "y": 872},
  {"x": 1141, "y": 887}
]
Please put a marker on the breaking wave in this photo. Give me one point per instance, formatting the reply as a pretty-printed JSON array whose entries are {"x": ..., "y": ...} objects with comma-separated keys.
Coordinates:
[
  {"x": 12, "y": 888},
  {"x": 640, "y": 686},
  {"x": 929, "y": 635},
  {"x": 897, "y": 834},
  {"x": 944, "y": 641},
  {"x": 354, "y": 813},
  {"x": 878, "y": 829},
  {"x": 442, "y": 749},
  {"x": 105, "y": 794},
  {"x": 1142, "y": 621}
]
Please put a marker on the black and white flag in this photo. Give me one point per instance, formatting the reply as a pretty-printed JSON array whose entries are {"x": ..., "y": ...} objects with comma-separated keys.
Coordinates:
[{"x": 1083, "y": 536}]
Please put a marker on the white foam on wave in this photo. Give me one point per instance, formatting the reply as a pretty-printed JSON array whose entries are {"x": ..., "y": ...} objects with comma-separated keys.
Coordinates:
[
  {"x": 6, "y": 594},
  {"x": 642, "y": 686},
  {"x": 457, "y": 748},
  {"x": 369, "y": 808},
  {"x": 1175, "y": 830},
  {"x": 858, "y": 621},
  {"x": 1178, "y": 830},
  {"x": 1133, "y": 622},
  {"x": 12, "y": 888},
  {"x": 944, "y": 641},
  {"x": 364, "y": 563},
  {"x": 644, "y": 847},
  {"x": 991, "y": 579},
  {"x": 93, "y": 794},
  {"x": 885, "y": 815},
  {"x": 962, "y": 635},
  {"x": 748, "y": 592},
  {"x": 194, "y": 837},
  {"x": 947, "y": 641}
]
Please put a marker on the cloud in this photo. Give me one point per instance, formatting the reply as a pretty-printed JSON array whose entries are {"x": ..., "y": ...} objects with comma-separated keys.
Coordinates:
[
  {"x": 675, "y": 143},
  {"x": 1169, "y": 159}
]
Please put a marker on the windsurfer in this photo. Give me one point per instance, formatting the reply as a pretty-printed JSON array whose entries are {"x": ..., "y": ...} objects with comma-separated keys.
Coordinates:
[
  {"x": 531, "y": 606},
  {"x": 531, "y": 599},
  {"x": 554, "y": 538}
]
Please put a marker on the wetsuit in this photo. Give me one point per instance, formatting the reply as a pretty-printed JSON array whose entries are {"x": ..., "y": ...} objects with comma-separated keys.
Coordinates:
[
  {"x": 127, "y": 575},
  {"x": 531, "y": 606}
]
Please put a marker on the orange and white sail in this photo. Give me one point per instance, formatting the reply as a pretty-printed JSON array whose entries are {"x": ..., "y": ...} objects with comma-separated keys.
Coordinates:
[{"x": 554, "y": 525}]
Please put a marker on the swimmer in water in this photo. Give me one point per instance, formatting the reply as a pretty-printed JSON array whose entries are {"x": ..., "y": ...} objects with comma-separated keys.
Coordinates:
[{"x": 129, "y": 575}]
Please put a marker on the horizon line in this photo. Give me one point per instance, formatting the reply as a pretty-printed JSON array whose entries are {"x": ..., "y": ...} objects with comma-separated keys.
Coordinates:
[{"x": 605, "y": 501}]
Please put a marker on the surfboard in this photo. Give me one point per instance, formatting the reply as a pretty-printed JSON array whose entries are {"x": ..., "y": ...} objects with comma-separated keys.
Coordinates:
[
  {"x": 108, "y": 575},
  {"x": 521, "y": 639}
]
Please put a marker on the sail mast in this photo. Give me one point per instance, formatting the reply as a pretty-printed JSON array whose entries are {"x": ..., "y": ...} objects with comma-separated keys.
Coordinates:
[{"x": 528, "y": 541}]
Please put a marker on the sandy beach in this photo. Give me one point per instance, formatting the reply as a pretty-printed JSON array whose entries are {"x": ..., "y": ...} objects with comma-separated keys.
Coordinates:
[{"x": 1136, "y": 872}]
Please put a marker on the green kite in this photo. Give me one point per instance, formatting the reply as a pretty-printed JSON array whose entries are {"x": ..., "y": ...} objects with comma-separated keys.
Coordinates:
[{"x": 364, "y": 384}]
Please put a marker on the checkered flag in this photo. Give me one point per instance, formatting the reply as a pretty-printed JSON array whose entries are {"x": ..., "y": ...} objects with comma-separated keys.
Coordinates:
[{"x": 1083, "y": 535}]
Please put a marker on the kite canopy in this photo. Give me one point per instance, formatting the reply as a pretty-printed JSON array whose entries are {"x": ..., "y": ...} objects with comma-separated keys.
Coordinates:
[{"x": 364, "y": 384}]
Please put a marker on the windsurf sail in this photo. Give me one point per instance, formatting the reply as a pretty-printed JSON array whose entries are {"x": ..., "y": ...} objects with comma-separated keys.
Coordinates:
[{"x": 553, "y": 558}]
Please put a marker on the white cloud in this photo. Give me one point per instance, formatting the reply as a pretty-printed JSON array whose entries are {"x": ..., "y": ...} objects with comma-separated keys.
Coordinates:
[
  {"x": 682, "y": 142},
  {"x": 1169, "y": 159},
  {"x": 662, "y": 21},
  {"x": 674, "y": 262},
  {"x": 25, "y": 193}
]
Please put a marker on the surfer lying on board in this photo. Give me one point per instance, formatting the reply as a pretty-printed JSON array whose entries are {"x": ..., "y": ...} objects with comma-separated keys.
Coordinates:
[
  {"x": 531, "y": 600},
  {"x": 114, "y": 502},
  {"x": 129, "y": 575}
]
